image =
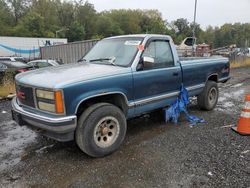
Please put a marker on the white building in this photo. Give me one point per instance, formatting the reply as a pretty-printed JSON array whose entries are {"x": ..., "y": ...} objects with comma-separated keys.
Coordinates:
[{"x": 26, "y": 46}]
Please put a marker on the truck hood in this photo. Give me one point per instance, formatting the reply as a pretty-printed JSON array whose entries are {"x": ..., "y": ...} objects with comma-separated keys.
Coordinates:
[{"x": 60, "y": 76}]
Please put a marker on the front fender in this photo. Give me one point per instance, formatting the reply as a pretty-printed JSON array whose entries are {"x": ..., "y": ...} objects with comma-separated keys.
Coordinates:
[
  {"x": 75, "y": 94},
  {"x": 76, "y": 103}
]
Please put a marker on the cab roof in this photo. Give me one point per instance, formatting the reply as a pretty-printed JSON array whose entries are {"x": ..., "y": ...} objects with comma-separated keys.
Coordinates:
[{"x": 141, "y": 35}]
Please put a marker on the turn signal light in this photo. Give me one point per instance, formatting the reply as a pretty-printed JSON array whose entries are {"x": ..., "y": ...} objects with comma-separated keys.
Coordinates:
[{"x": 59, "y": 102}]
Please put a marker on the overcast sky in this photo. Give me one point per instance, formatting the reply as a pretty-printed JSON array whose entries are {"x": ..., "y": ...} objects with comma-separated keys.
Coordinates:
[{"x": 209, "y": 12}]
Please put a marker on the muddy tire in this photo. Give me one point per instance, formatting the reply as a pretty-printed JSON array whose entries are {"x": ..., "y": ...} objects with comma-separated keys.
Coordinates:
[
  {"x": 208, "y": 99},
  {"x": 101, "y": 129}
]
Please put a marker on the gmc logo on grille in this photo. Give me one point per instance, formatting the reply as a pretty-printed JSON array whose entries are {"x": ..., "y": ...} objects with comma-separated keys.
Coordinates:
[{"x": 20, "y": 94}]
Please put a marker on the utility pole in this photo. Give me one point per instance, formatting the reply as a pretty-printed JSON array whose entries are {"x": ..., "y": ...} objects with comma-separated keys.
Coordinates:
[{"x": 194, "y": 23}]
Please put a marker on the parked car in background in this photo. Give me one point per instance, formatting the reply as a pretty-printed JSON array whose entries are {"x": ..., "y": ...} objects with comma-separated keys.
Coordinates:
[
  {"x": 11, "y": 68},
  {"x": 20, "y": 59},
  {"x": 16, "y": 66},
  {"x": 3, "y": 68},
  {"x": 41, "y": 63}
]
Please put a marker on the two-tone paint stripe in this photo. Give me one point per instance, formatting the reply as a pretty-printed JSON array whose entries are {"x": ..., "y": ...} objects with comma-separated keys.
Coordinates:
[{"x": 165, "y": 96}]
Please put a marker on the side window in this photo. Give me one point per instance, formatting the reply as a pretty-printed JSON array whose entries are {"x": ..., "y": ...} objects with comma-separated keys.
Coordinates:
[
  {"x": 43, "y": 64},
  {"x": 161, "y": 52},
  {"x": 189, "y": 41},
  {"x": 31, "y": 63},
  {"x": 150, "y": 51}
]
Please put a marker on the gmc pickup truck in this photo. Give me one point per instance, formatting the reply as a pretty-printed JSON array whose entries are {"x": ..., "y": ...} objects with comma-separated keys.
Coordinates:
[{"x": 120, "y": 78}]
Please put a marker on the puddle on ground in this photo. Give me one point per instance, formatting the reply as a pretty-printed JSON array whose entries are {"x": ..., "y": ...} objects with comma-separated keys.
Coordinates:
[
  {"x": 44, "y": 149},
  {"x": 232, "y": 95},
  {"x": 237, "y": 85},
  {"x": 235, "y": 95},
  {"x": 226, "y": 100},
  {"x": 228, "y": 104},
  {"x": 13, "y": 141},
  {"x": 222, "y": 99}
]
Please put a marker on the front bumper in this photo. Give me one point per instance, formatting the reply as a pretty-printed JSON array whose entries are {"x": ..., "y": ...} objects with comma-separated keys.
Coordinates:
[{"x": 58, "y": 128}]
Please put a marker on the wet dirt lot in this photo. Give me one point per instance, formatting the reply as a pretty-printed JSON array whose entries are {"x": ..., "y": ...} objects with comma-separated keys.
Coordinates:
[{"x": 154, "y": 154}]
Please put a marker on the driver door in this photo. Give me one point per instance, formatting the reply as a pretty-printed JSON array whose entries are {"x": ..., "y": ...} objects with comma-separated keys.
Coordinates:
[{"x": 156, "y": 84}]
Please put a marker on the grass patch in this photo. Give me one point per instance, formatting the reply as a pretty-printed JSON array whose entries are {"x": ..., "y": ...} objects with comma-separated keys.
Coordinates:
[
  {"x": 243, "y": 62},
  {"x": 7, "y": 85},
  {"x": 7, "y": 89}
]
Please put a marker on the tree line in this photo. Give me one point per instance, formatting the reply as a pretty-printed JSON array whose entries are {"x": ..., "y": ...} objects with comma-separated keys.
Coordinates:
[{"x": 78, "y": 20}]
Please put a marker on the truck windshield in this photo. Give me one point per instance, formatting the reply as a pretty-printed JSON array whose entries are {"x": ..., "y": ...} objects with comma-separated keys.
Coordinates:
[{"x": 114, "y": 51}]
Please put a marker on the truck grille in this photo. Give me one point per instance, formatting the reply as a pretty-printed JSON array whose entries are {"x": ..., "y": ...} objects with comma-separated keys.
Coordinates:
[{"x": 25, "y": 95}]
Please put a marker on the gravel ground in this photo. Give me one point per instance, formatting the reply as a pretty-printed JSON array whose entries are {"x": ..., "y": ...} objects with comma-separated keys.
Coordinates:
[{"x": 154, "y": 154}]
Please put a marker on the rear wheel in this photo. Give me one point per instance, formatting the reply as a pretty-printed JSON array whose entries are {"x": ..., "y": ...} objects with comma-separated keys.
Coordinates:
[
  {"x": 208, "y": 99},
  {"x": 101, "y": 129}
]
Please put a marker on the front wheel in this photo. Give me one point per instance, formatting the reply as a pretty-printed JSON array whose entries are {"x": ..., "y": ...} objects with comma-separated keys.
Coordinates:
[
  {"x": 208, "y": 99},
  {"x": 101, "y": 129}
]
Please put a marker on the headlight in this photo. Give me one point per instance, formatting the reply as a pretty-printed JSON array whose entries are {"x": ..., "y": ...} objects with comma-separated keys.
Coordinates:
[
  {"x": 45, "y": 94},
  {"x": 51, "y": 101},
  {"x": 46, "y": 106}
]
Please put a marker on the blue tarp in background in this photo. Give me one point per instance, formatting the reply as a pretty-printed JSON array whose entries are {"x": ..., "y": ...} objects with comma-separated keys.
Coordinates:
[{"x": 180, "y": 105}]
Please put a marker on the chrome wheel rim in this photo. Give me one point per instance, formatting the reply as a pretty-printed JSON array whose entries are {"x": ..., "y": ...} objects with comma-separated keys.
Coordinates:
[
  {"x": 106, "y": 131},
  {"x": 212, "y": 96}
]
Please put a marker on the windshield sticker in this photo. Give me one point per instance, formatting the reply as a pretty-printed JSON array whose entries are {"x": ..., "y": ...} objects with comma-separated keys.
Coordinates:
[{"x": 132, "y": 42}]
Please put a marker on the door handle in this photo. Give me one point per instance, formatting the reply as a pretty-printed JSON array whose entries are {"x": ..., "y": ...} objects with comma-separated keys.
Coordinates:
[{"x": 175, "y": 74}]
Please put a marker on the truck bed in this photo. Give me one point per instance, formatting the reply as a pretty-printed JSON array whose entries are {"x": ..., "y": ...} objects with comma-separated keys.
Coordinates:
[{"x": 197, "y": 70}]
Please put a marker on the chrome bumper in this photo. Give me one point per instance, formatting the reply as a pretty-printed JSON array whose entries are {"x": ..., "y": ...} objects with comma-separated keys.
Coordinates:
[{"x": 58, "y": 128}]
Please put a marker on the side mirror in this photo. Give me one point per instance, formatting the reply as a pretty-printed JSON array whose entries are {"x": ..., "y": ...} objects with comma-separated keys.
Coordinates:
[
  {"x": 145, "y": 63},
  {"x": 148, "y": 60}
]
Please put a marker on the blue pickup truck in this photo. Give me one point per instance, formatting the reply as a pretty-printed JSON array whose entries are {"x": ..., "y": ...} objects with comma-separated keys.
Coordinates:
[{"x": 120, "y": 78}]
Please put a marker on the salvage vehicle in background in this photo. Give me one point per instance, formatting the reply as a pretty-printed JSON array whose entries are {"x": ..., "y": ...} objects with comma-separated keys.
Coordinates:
[
  {"x": 3, "y": 69},
  {"x": 187, "y": 47},
  {"x": 12, "y": 68},
  {"x": 120, "y": 78},
  {"x": 16, "y": 66},
  {"x": 41, "y": 63}
]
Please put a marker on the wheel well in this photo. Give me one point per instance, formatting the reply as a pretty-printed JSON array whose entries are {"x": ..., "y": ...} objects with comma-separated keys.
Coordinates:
[
  {"x": 213, "y": 77},
  {"x": 116, "y": 99}
]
